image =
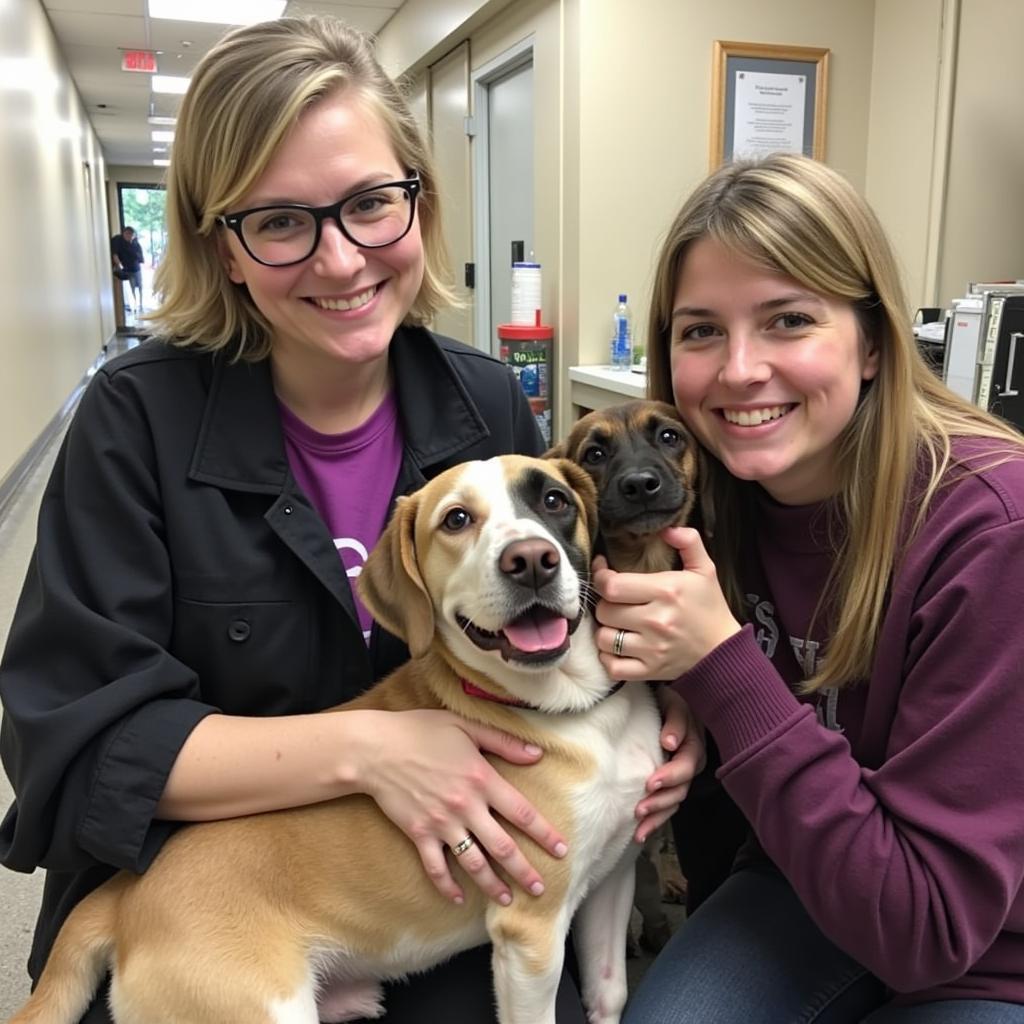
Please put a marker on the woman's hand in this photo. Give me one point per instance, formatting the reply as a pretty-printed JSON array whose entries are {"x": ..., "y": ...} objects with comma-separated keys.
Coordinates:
[
  {"x": 667, "y": 786},
  {"x": 427, "y": 774},
  {"x": 670, "y": 620}
]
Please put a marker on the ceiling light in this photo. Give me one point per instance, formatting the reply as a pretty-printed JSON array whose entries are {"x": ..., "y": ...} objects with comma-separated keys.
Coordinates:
[
  {"x": 161, "y": 163},
  {"x": 162, "y": 136},
  {"x": 169, "y": 83},
  {"x": 219, "y": 12},
  {"x": 159, "y": 149},
  {"x": 158, "y": 119}
]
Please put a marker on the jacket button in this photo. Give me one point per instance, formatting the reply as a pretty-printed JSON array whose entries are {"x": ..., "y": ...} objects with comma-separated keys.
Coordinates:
[{"x": 239, "y": 631}]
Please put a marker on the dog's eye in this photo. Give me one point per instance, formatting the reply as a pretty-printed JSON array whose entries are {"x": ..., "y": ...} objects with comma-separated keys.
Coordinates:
[
  {"x": 555, "y": 501},
  {"x": 456, "y": 519},
  {"x": 668, "y": 436},
  {"x": 594, "y": 455}
]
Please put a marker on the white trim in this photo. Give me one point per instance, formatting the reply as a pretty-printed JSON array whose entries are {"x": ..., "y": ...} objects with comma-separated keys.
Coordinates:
[{"x": 514, "y": 57}]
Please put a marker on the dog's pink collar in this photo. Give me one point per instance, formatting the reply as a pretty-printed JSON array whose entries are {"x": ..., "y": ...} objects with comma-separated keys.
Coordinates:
[{"x": 472, "y": 690}]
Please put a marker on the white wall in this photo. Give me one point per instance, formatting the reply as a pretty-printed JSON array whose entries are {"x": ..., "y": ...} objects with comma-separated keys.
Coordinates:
[{"x": 56, "y": 315}]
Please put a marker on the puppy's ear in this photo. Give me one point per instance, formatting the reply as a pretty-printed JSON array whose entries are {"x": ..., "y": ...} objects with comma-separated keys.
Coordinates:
[
  {"x": 704, "y": 488},
  {"x": 391, "y": 585},
  {"x": 581, "y": 482}
]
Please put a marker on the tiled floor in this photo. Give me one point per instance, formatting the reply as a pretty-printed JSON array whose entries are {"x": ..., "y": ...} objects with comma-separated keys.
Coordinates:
[{"x": 19, "y": 894}]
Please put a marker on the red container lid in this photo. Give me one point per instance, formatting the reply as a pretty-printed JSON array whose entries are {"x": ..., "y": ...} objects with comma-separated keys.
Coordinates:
[{"x": 525, "y": 332}]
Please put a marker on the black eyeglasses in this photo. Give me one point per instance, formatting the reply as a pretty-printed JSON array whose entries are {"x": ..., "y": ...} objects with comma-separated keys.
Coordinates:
[{"x": 278, "y": 236}]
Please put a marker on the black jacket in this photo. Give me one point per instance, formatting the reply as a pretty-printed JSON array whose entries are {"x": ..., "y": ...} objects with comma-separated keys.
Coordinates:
[{"x": 179, "y": 570}]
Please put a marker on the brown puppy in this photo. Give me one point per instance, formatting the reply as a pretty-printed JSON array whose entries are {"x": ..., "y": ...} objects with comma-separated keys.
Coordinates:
[
  {"x": 646, "y": 466},
  {"x": 644, "y": 463}
]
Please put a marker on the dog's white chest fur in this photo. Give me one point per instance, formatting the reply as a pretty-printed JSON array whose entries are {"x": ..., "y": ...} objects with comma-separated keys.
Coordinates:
[{"x": 622, "y": 736}]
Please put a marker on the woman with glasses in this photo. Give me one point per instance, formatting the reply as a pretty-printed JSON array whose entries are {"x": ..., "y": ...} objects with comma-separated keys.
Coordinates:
[{"x": 189, "y": 608}]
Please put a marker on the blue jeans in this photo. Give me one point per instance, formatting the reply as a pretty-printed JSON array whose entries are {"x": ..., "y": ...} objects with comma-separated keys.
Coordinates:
[{"x": 750, "y": 953}]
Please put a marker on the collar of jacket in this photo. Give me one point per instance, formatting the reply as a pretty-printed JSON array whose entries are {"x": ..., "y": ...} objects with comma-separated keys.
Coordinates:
[{"x": 241, "y": 445}]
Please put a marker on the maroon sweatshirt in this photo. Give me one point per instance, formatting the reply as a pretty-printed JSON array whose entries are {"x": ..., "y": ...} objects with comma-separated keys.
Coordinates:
[{"x": 894, "y": 806}]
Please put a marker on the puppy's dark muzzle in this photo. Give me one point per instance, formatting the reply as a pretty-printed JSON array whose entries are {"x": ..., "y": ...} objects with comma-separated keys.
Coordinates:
[
  {"x": 641, "y": 500},
  {"x": 641, "y": 487}
]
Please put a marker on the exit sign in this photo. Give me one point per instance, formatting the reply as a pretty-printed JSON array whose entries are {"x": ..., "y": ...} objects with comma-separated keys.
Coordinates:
[{"x": 139, "y": 60}]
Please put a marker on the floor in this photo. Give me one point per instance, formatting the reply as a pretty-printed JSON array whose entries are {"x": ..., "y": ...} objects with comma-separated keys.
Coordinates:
[{"x": 19, "y": 894}]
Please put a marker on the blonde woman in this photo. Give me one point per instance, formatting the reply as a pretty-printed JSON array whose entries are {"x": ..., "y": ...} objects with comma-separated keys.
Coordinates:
[
  {"x": 188, "y": 607},
  {"x": 848, "y": 630}
]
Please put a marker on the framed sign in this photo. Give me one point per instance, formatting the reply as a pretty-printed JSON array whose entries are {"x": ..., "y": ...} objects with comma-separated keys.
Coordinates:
[{"x": 767, "y": 99}]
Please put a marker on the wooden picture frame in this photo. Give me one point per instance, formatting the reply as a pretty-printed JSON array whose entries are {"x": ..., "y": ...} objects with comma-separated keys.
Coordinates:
[{"x": 769, "y": 98}]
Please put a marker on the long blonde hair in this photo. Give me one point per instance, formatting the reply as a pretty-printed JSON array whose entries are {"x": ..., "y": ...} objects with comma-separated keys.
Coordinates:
[
  {"x": 244, "y": 97},
  {"x": 795, "y": 216}
]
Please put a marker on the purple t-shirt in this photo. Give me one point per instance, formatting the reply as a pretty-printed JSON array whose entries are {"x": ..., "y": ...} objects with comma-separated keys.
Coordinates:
[
  {"x": 350, "y": 479},
  {"x": 895, "y": 807}
]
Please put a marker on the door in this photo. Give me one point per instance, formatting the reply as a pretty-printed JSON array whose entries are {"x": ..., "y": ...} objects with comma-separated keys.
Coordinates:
[
  {"x": 449, "y": 108},
  {"x": 510, "y": 185},
  {"x": 502, "y": 128}
]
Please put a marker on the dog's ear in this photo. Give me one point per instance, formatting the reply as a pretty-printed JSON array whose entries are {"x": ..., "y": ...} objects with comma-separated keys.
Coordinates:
[
  {"x": 559, "y": 451},
  {"x": 581, "y": 482},
  {"x": 391, "y": 585},
  {"x": 704, "y": 488}
]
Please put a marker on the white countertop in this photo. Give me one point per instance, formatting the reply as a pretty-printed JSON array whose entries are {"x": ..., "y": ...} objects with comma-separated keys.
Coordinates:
[{"x": 622, "y": 382}]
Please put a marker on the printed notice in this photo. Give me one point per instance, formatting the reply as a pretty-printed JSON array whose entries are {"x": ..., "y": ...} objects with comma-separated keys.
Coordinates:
[{"x": 769, "y": 114}]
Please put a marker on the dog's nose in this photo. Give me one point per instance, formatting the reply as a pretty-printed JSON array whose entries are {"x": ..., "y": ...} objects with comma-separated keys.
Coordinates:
[
  {"x": 640, "y": 486},
  {"x": 530, "y": 563}
]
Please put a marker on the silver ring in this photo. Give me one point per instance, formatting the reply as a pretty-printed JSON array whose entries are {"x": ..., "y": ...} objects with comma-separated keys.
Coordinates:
[
  {"x": 461, "y": 847},
  {"x": 620, "y": 636}
]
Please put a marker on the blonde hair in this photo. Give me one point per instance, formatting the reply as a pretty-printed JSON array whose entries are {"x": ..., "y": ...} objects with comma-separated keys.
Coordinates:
[
  {"x": 794, "y": 215},
  {"x": 244, "y": 97}
]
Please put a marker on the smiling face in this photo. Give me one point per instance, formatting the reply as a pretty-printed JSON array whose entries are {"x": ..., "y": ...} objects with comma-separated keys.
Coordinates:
[
  {"x": 765, "y": 372},
  {"x": 344, "y": 303}
]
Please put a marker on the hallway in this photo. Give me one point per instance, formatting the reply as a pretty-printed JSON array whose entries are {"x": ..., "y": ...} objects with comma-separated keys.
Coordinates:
[{"x": 19, "y": 893}]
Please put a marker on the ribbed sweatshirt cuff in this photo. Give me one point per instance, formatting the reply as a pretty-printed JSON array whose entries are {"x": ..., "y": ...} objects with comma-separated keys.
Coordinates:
[{"x": 736, "y": 692}]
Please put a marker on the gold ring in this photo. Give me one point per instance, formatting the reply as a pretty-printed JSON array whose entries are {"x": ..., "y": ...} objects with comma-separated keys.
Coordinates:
[
  {"x": 461, "y": 847},
  {"x": 620, "y": 636}
]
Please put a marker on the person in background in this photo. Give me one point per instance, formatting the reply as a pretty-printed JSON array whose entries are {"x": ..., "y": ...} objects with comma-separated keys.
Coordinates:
[
  {"x": 128, "y": 256},
  {"x": 847, "y": 630},
  {"x": 188, "y": 611}
]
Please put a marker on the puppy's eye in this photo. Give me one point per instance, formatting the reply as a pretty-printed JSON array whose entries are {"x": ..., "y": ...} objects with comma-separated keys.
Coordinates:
[
  {"x": 456, "y": 519},
  {"x": 669, "y": 436},
  {"x": 594, "y": 455},
  {"x": 555, "y": 501}
]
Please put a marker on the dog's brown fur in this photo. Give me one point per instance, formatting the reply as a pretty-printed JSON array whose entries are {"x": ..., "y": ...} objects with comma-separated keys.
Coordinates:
[
  {"x": 233, "y": 918},
  {"x": 646, "y": 467}
]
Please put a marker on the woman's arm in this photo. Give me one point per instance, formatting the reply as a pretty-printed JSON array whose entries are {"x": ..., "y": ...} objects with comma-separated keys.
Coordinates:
[{"x": 914, "y": 866}]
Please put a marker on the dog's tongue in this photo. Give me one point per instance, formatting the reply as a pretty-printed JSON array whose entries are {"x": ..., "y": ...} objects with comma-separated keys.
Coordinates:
[{"x": 537, "y": 630}]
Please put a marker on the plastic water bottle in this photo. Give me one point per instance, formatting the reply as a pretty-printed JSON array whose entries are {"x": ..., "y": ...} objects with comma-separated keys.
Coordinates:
[{"x": 622, "y": 336}]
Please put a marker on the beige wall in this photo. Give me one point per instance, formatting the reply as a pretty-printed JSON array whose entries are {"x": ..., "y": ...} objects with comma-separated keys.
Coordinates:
[
  {"x": 905, "y": 163},
  {"x": 622, "y": 126},
  {"x": 983, "y": 228},
  {"x": 645, "y": 123},
  {"x": 56, "y": 316}
]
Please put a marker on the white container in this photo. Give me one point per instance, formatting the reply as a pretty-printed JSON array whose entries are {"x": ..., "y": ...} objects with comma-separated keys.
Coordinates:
[{"x": 526, "y": 290}]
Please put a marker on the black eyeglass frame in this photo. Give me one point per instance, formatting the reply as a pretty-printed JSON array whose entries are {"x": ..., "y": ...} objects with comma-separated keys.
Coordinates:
[{"x": 233, "y": 221}]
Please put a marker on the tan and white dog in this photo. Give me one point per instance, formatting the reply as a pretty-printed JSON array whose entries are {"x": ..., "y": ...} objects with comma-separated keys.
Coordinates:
[{"x": 297, "y": 916}]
